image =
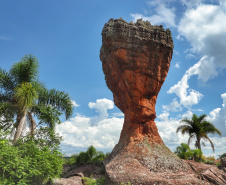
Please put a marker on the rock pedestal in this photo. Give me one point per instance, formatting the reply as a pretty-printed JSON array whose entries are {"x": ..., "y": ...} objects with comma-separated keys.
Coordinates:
[{"x": 136, "y": 59}]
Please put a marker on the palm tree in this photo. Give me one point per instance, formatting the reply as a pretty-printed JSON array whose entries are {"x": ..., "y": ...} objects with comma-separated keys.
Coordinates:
[
  {"x": 22, "y": 97},
  {"x": 198, "y": 128}
]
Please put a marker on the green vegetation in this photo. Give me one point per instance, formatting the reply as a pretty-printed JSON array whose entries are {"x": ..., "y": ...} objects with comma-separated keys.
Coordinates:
[
  {"x": 208, "y": 160},
  {"x": 91, "y": 156},
  {"x": 223, "y": 155},
  {"x": 92, "y": 181},
  {"x": 23, "y": 96},
  {"x": 198, "y": 128},
  {"x": 184, "y": 152},
  {"x": 34, "y": 157},
  {"x": 34, "y": 160}
]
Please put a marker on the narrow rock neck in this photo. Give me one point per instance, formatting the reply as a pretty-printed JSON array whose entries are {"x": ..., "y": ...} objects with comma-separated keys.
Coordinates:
[{"x": 135, "y": 132}]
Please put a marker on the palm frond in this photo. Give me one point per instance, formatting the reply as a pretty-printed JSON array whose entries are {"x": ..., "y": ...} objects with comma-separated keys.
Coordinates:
[
  {"x": 7, "y": 114},
  {"x": 183, "y": 129},
  {"x": 26, "y": 70},
  {"x": 209, "y": 128},
  {"x": 190, "y": 139},
  {"x": 25, "y": 95},
  {"x": 211, "y": 143},
  {"x": 186, "y": 121},
  {"x": 7, "y": 83},
  {"x": 58, "y": 99},
  {"x": 202, "y": 117}
]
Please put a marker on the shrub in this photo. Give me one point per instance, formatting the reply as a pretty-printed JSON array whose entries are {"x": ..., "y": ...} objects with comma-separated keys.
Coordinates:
[
  {"x": 92, "y": 181},
  {"x": 223, "y": 155},
  {"x": 29, "y": 161},
  {"x": 184, "y": 152},
  {"x": 91, "y": 156}
]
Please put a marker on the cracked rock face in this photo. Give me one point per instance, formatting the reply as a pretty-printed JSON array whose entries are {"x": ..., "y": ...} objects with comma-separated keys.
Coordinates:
[{"x": 136, "y": 59}]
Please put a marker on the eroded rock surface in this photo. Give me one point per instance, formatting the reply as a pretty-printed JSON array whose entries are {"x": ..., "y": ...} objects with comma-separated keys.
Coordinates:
[
  {"x": 208, "y": 173},
  {"x": 136, "y": 59}
]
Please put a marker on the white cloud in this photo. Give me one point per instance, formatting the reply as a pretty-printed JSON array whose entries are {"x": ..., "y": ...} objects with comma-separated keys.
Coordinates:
[
  {"x": 218, "y": 116},
  {"x": 118, "y": 114},
  {"x": 191, "y": 3},
  {"x": 164, "y": 116},
  {"x": 202, "y": 27},
  {"x": 174, "y": 106},
  {"x": 74, "y": 103},
  {"x": 177, "y": 65},
  {"x": 187, "y": 114},
  {"x": 79, "y": 132},
  {"x": 101, "y": 106},
  {"x": 163, "y": 15},
  {"x": 167, "y": 130},
  {"x": 188, "y": 97},
  {"x": 223, "y": 4}
]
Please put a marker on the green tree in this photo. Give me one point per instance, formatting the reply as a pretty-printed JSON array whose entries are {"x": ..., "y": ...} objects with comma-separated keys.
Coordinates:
[
  {"x": 198, "y": 128},
  {"x": 223, "y": 155},
  {"x": 181, "y": 151},
  {"x": 91, "y": 156},
  {"x": 23, "y": 96},
  {"x": 35, "y": 161}
]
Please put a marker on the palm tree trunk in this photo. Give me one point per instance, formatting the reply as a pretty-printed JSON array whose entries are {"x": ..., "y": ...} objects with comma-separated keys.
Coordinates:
[
  {"x": 199, "y": 147},
  {"x": 32, "y": 124},
  {"x": 20, "y": 126},
  {"x": 198, "y": 143}
]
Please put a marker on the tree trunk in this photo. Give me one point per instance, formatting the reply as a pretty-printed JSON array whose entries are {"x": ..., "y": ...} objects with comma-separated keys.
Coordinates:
[
  {"x": 20, "y": 125},
  {"x": 32, "y": 124},
  {"x": 198, "y": 143}
]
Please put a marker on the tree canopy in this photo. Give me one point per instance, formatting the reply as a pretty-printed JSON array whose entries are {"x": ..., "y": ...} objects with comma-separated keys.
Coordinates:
[
  {"x": 199, "y": 128},
  {"x": 23, "y": 97}
]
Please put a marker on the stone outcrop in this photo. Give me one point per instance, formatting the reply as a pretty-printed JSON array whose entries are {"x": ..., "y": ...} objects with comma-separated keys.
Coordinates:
[
  {"x": 136, "y": 59},
  {"x": 223, "y": 161},
  {"x": 208, "y": 173}
]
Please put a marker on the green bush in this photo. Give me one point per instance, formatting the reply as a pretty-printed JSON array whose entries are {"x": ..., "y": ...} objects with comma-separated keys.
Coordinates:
[
  {"x": 91, "y": 156},
  {"x": 29, "y": 161},
  {"x": 223, "y": 155},
  {"x": 184, "y": 152},
  {"x": 92, "y": 181}
]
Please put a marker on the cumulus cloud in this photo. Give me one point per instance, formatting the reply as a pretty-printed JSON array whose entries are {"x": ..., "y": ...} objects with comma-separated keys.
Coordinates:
[
  {"x": 191, "y": 3},
  {"x": 74, "y": 103},
  {"x": 218, "y": 116},
  {"x": 202, "y": 27},
  {"x": 174, "y": 106},
  {"x": 80, "y": 132},
  {"x": 177, "y": 65},
  {"x": 188, "y": 97},
  {"x": 101, "y": 106},
  {"x": 163, "y": 14},
  {"x": 187, "y": 114},
  {"x": 167, "y": 130}
]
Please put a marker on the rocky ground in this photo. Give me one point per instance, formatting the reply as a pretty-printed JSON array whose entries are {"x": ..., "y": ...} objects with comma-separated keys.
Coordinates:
[{"x": 208, "y": 174}]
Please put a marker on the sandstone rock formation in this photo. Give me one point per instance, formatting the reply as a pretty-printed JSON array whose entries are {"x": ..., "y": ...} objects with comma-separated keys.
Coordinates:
[
  {"x": 136, "y": 59},
  {"x": 208, "y": 173}
]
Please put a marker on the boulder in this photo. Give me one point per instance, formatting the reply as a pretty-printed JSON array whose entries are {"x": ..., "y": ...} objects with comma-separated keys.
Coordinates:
[{"x": 223, "y": 161}]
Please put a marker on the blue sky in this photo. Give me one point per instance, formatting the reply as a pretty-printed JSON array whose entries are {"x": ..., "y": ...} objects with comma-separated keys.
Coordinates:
[{"x": 66, "y": 38}]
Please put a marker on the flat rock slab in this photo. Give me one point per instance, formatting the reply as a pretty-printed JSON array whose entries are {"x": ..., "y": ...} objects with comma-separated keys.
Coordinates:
[
  {"x": 76, "y": 180},
  {"x": 83, "y": 171}
]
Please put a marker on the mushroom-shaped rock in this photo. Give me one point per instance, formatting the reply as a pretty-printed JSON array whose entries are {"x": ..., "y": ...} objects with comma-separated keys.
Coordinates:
[{"x": 136, "y": 59}]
